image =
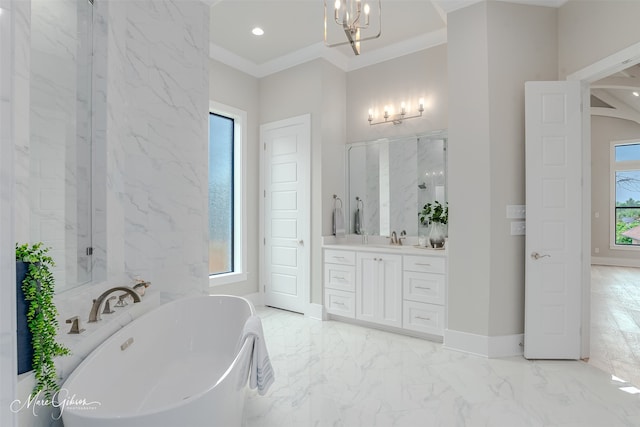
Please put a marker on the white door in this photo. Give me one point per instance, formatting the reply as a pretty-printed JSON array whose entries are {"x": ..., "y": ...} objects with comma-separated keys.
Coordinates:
[
  {"x": 553, "y": 279},
  {"x": 286, "y": 221}
]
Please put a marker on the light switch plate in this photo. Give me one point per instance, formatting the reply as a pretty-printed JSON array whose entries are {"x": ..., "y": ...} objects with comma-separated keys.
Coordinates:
[
  {"x": 516, "y": 211},
  {"x": 518, "y": 228}
]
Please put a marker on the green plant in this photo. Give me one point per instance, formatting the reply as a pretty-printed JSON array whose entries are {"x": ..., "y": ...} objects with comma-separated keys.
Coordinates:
[
  {"x": 434, "y": 212},
  {"x": 38, "y": 287}
]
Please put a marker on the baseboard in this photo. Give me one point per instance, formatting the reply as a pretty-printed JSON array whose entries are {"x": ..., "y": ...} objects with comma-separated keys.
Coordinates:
[
  {"x": 482, "y": 345},
  {"x": 256, "y": 298},
  {"x": 616, "y": 262},
  {"x": 316, "y": 311}
]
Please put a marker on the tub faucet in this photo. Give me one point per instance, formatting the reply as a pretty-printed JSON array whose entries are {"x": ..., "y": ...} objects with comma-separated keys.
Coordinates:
[{"x": 94, "y": 315}]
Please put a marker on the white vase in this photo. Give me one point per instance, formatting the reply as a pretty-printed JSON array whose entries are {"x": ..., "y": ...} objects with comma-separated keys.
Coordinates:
[{"x": 437, "y": 234}]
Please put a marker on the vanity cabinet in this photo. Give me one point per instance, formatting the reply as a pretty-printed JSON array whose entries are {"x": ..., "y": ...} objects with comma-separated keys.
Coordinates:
[
  {"x": 340, "y": 282},
  {"x": 424, "y": 286},
  {"x": 378, "y": 288},
  {"x": 404, "y": 290}
]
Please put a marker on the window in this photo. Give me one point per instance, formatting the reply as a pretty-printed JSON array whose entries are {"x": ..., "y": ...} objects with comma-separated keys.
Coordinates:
[
  {"x": 625, "y": 183},
  {"x": 227, "y": 222}
]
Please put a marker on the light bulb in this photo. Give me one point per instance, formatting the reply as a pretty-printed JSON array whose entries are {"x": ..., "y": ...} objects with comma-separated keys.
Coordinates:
[
  {"x": 257, "y": 31},
  {"x": 366, "y": 8},
  {"x": 403, "y": 108},
  {"x": 338, "y": 4},
  {"x": 636, "y": 94}
]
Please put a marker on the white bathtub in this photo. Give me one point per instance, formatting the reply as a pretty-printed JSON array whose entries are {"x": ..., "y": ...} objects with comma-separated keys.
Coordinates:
[{"x": 184, "y": 366}]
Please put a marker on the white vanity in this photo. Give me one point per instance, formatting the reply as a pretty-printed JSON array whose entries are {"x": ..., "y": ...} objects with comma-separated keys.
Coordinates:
[{"x": 401, "y": 288}]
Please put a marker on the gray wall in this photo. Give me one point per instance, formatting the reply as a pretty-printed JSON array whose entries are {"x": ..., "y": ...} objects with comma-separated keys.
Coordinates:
[
  {"x": 494, "y": 48},
  {"x": 408, "y": 78},
  {"x": 589, "y": 31}
]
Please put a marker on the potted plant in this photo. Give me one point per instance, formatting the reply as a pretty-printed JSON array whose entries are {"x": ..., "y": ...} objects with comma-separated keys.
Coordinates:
[
  {"x": 436, "y": 215},
  {"x": 41, "y": 315}
]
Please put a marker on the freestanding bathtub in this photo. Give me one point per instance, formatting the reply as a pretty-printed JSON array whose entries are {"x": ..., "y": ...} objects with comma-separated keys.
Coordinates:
[{"x": 181, "y": 365}]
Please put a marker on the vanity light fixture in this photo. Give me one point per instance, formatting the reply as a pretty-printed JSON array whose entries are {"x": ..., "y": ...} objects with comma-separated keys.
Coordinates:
[
  {"x": 354, "y": 18},
  {"x": 396, "y": 119}
]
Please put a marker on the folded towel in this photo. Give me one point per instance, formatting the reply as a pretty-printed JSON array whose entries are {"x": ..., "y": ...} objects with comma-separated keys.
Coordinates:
[
  {"x": 261, "y": 372},
  {"x": 338, "y": 223}
]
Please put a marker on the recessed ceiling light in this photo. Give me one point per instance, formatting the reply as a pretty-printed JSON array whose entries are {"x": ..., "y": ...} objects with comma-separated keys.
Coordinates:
[
  {"x": 636, "y": 94},
  {"x": 257, "y": 31}
]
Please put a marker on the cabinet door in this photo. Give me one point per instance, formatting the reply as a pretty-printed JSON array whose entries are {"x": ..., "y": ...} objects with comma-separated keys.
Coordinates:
[
  {"x": 366, "y": 286},
  {"x": 389, "y": 301},
  {"x": 379, "y": 288}
]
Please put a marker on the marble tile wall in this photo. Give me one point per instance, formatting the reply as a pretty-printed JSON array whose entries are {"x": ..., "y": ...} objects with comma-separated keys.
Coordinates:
[{"x": 150, "y": 138}]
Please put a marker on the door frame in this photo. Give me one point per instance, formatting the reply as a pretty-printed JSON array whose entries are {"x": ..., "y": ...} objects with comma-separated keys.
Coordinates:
[
  {"x": 304, "y": 120},
  {"x": 600, "y": 69}
]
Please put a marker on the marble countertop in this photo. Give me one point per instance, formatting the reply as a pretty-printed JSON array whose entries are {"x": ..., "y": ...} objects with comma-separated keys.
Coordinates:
[{"x": 380, "y": 244}]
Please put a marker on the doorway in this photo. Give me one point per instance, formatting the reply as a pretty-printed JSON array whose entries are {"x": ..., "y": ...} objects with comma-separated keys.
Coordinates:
[
  {"x": 606, "y": 67},
  {"x": 285, "y": 207}
]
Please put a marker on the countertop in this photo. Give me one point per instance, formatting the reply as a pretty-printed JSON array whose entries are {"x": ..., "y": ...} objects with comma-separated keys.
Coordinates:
[{"x": 380, "y": 244}]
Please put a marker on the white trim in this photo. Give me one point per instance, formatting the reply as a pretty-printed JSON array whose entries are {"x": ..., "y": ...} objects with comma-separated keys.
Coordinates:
[
  {"x": 482, "y": 345},
  {"x": 466, "y": 342},
  {"x": 609, "y": 65},
  {"x": 596, "y": 71},
  {"x": 227, "y": 278},
  {"x": 240, "y": 132},
  {"x": 335, "y": 57},
  {"x": 629, "y": 165},
  {"x": 616, "y": 262},
  {"x": 316, "y": 311},
  {"x": 257, "y": 299}
]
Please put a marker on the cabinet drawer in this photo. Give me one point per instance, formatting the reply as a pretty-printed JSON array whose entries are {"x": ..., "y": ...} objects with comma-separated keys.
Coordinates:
[
  {"x": 421, "y": 317},
  {"x": 340, "y": 302},
  {"x": 341, "y": 277},
  {"x": 424, "y": 287},
  {"x": 340, "y": 257},
  {"x": 425, "y": 264}
]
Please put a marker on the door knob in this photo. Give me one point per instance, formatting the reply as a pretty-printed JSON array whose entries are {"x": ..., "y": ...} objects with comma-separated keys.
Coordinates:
[
  {"x": 536, "y": 255},
  {"x": 301, "y": 242}
]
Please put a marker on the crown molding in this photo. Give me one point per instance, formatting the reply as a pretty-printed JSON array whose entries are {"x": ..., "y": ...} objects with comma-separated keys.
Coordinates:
[{"x": 333, "y": 56}]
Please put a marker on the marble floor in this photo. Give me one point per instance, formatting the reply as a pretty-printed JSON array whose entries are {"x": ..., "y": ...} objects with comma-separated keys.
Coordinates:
[
  {"x": 336, "y": 374},
  {"x": 615, "y": 321}
]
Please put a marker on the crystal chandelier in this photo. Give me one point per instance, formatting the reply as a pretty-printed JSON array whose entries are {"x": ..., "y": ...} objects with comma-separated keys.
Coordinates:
[{"x": 354, "y": 18}]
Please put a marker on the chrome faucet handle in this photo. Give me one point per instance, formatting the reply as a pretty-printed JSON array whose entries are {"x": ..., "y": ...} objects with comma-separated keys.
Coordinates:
[
  {"x": 122, "y": 300},
  {"x": 75, "y": 325},
  {"x": 403, "y": 235},
  {"x": 107, "y": 306},
  {"x": 394, "y": 238}
]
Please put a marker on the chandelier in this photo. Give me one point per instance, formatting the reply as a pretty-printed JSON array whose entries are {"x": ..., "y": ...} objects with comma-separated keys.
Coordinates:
[{"x": 354, "y": 18}]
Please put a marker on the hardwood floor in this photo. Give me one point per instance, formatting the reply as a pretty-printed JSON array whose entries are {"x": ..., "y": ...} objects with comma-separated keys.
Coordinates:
[{"x": 615, "y": 321}]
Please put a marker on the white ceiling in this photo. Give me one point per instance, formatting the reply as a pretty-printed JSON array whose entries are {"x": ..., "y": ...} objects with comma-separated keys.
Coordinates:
[
  {"x": 294, "y": 32},
  {"x": 616, "y": 97}
]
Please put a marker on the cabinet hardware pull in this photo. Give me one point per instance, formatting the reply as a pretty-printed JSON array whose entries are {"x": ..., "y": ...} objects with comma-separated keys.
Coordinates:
[
  {"x": 339, "y": 257},
  {"x": 422, "y": 263},
  {"x": 423, "y": 287},
  {"x": 339, "y": 303},
  {"x": 423, "y": 318},
  {"x": 338, "y": 277}
]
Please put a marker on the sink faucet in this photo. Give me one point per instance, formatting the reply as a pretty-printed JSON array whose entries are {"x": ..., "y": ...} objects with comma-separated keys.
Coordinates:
[
  {"x": 403, "y": 235},
  {"x": 394, "y": 238},
  {"x": 94, "y": 315}
]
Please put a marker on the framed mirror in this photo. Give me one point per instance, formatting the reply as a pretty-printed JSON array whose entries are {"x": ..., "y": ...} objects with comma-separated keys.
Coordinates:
[{"x": 390, "y": 180}]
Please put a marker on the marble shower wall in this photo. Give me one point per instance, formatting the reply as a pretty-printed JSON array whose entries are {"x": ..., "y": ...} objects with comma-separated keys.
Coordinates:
[{"x": 157, "y": 133}]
